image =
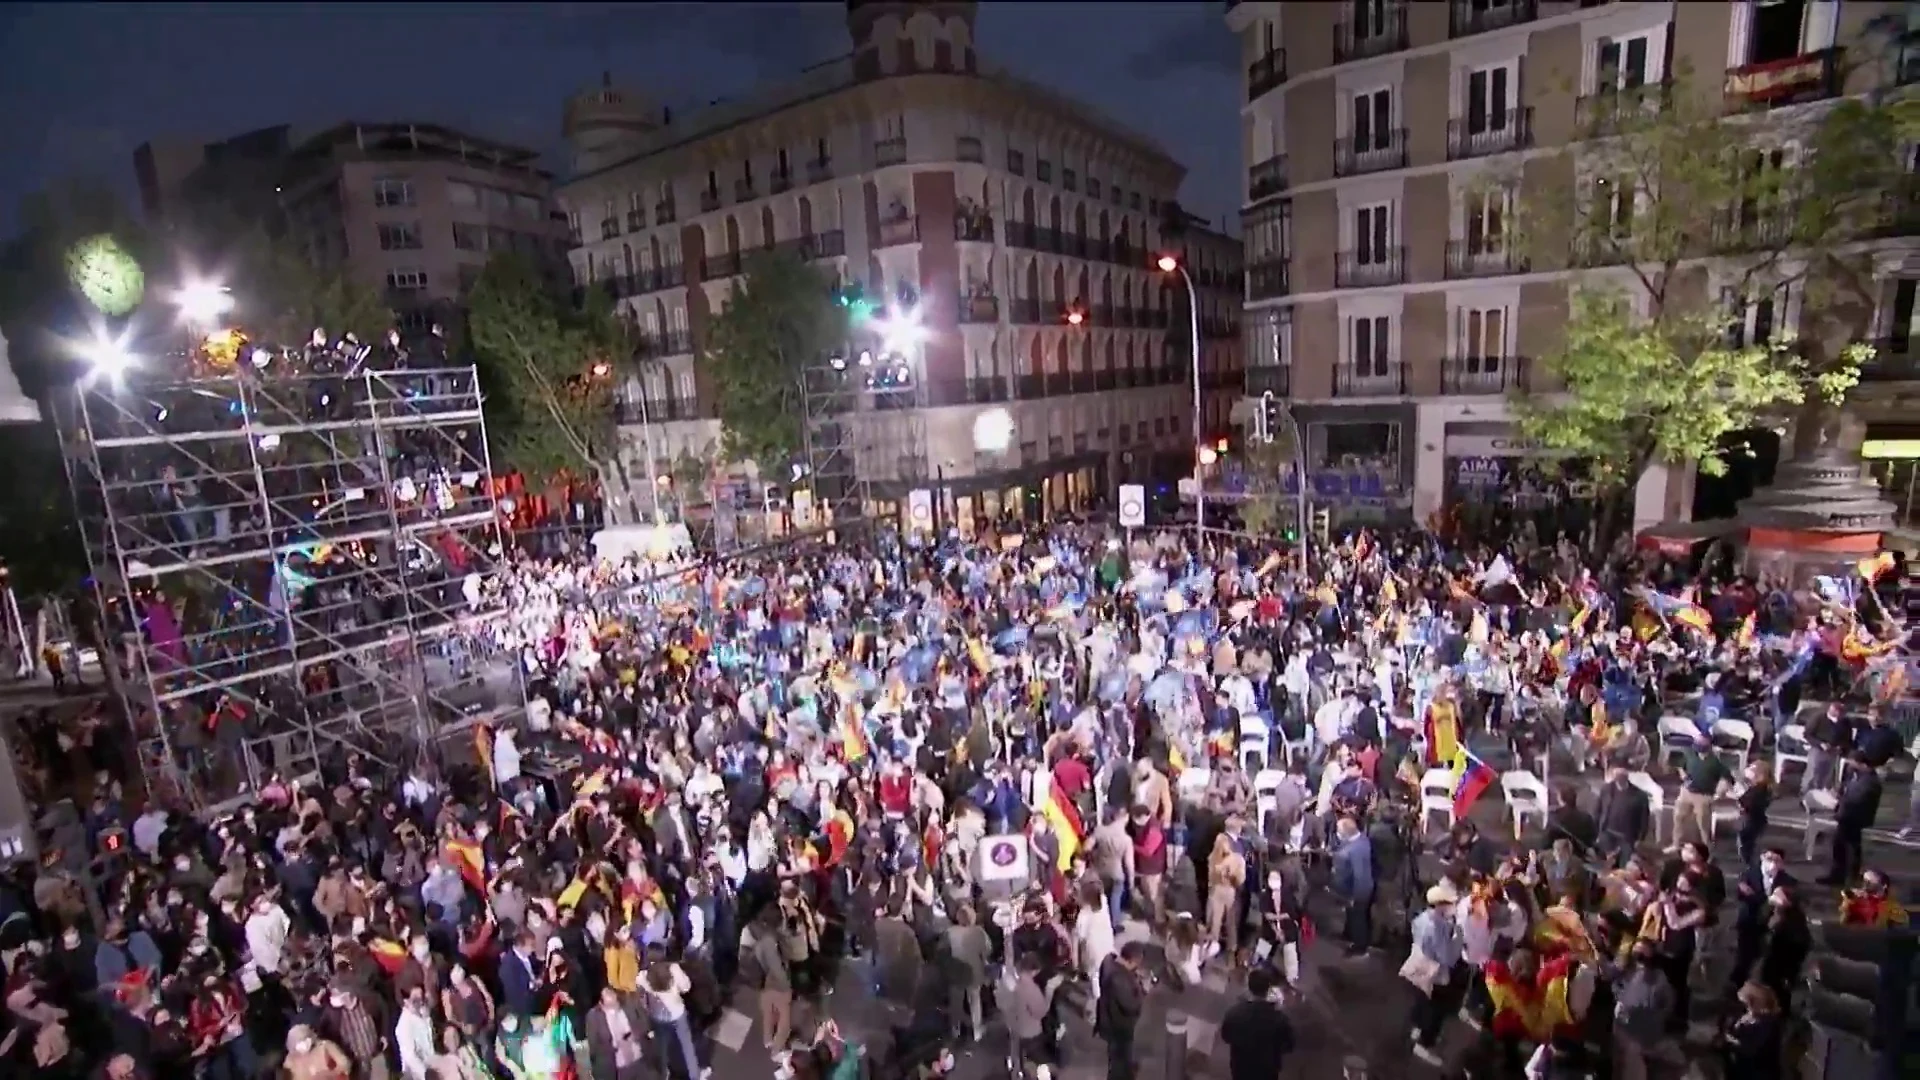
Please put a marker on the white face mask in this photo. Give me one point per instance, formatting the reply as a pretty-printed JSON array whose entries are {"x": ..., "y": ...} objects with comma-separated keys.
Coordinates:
[
  {"x": 420, "y": 951},
  {"x": 304, "y": 1046}
]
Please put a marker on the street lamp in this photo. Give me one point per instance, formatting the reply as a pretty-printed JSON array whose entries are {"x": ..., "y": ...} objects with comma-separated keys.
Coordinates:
[{"x": 1170, "y": 265}]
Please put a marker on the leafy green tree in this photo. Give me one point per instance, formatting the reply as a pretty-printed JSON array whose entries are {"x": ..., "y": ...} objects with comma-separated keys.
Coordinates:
[
  {"x": 1665, "y": 180},
  {"x": 779, "y": 322},
  {"x": 548, "y": 369},
  {"x": 282, "y": 296}
]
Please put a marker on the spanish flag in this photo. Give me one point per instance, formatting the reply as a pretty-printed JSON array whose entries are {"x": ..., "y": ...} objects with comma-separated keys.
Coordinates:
[
  {"x": 1176, "y": 760},
  {"x": 483, "y": 747},
  {"x": 1060, "y": 814},
  {"x": 977, "y": 652},
  {"x": 1535, "y": 1009},
  {"x": 1857, "y": 648},
  {"x": 852, "y": 738},
  {"x": 839, "y": 834},
  {"x": 470, "y": 860},
  {"x": 1873, "y": 569},
  {"x": 389, "y": 954},
  {"x": 1880, "y": 912},
  {"x": 1744, "y": 636},
  {"x": 1442, "y": 725}
]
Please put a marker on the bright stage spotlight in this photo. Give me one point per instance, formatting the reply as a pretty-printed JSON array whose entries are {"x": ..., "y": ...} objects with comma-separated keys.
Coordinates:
[{"x": 203, "y": 303}]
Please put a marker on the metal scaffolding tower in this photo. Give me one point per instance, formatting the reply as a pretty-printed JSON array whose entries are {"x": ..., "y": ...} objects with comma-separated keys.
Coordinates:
[
  {"x": 861, "y": 426},
  {"x": 301, "y": 557}
]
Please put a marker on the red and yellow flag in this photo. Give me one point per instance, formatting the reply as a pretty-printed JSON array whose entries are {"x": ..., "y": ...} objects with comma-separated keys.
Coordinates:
[{"x": 470, "y": 860}]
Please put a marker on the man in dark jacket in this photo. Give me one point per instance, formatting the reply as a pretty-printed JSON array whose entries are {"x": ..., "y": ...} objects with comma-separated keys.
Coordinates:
[
  {"x": 1622, "y": 817},
  {"x": 1122, "y": 997},
  {"x": 1859, "y": 803},
  {"x": 1258, "y": 1035}
]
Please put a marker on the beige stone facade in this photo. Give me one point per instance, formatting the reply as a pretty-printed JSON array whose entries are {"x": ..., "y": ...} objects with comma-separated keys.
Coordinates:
[{"x": 1372, "y": 132}]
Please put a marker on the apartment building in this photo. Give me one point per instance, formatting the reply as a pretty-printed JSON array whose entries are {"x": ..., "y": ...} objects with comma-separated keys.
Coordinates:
[
  {"x": 1022, "y": 227},
  {"x": 417, "y": 209},
  {"x": 1212, "y": 256},
  {"x": 1382, "y": 139}
]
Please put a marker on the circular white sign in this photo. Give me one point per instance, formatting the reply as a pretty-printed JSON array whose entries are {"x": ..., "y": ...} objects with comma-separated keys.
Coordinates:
[
  {"x": 921, "y": 512},
  {"x": 1131, "y": 510}
]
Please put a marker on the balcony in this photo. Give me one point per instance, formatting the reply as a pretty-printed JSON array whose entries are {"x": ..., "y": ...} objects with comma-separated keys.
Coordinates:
[
  {"x": 1099, "y": 249},
  {"x": 1266, "y": 73},
  {"x": 1275, "y": 379},
  {"x": 979, "y": 390},
  {"x": 725, "y": 265},
  {"x": 1899, "y": 211},
  {"x": 663, "y": 212},
  {"x": 636, "y": 220},
  {"x": 1483, "y": 257},
  {"x": 655, "y": 410},
  {"x": 670, "y": 276},
  {"x": 1615, "y": 111},
  {"x": 609, "y": 228},
  {"x": 743, "y": 190},
  {"x": 824, "y": 245},
  {"x": 1366, "y": 269},
  {"x": 1771, "y": 84},
  {"x": 1380, "y": 378},
  {"x": 889, "y": 151},
  {"x": 1073, "y": 245},
  {"x": 1356, "y": 159},
  {"x": 897, "y": 231},
  {"x": 1268, "y": 279},
  {"x": 1359, "y": 40},
  {"x": 781, "y": 181},
  {"x": 1479, "y": 16},
  {"x": 1895, "y": 359},
  {"x": 1021, "y": 234},
  {"x": 1267, "y": 179},
  {"x": 1752, "y": 230},
  {"x": 709, "y": 201},
  {"x": 663, "y": 344},
  {"x": 1027, "y": 311},
  {"x": 969, "y": 148},
  {"x": 1125, "y": 254},
  {"x": 1483, "y": 375},
  {"x": 1497, "y": 133},
  {"x": 979, "y": 309},
  {"x": 819, "y": 170}
]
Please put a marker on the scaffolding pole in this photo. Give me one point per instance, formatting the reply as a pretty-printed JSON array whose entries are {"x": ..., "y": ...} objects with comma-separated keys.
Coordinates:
[{"x": 300, "y": 565}]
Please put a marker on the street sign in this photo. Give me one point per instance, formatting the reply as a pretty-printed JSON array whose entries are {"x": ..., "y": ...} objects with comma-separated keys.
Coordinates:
[
  {"x": 1002, "y": 857},
  {"x": 920, "y": 510},
  {"x": 802, "y": 501},
  {"x": 1133, "y": 505}
]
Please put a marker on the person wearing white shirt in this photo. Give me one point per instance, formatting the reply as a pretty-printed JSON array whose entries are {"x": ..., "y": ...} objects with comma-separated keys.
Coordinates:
[
  {"x": 413, "y": 1035},
  {"x": 1093, "y": 939},
  {"x": 665, "y": 989},
  {"x": 506, "y": 758},
  {"x": 266, "y": 933},
  {"x": 1327, "y": 724}
]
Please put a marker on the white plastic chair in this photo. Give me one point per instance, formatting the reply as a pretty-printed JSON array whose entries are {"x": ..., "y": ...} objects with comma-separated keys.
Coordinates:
[
  {"x": 1266, "y": 783},
  {"x": 1192, "y": 784},
  {"x": 1728, "y": 729},
  {"x": 1657, "y": 801},
  {"x": 1676, "y": 735},
  {"x": 1436, "y": 796},
  {"x": 1526, "y": 797},
  {"x": 1789, "y": 748},
  {"x": 1254, "y": 735},
  {"x": 1290, "y": 749}
]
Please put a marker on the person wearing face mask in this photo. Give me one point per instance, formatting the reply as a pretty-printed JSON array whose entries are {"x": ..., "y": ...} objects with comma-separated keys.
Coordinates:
[
  {"x": 1622, "y": 816},
  {"x": 352, "y": 1024},
  {"x": 1282, "y": 910},
  {"x": 413, "y": 1036},
  {"x": 310, "y": 1057},
  {"x": 1752, "y": 896},
  {"x": 216, "y": 1022}
]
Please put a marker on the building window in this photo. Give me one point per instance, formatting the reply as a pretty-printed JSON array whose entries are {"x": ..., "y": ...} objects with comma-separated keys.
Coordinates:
[
  {"x": 469, "y": 237},
  {"x": 392, "y": 191},
  {"x": 1372, "y": 120},
  {"x": 463, "y": 195},
  {"x": 1372, "y": 234},
  {"x": 1273, "y": 339},
  {"x": 1622, "y": 63},
  {"x": 407, "y": 280},
  {"x": 1899, "y": 318},
  {"x": 1069, "y": 179},
  {"x": 1485, "y": 221},
  {"x": 1368, "y": 340},
  {"x": 400, "y": 236},
  {"x": 1093, "y": 187},
  {"x": 526, "y": 206},
  {"x": 1043, "y": 170},
  {"x": 1489, "y": 100},
  {"x": 1757, "y": 321},
  {"x": 1613, "y": 207},
  {"x": 1016, "y": 162},
  {"x": 1480, "y": 339}
]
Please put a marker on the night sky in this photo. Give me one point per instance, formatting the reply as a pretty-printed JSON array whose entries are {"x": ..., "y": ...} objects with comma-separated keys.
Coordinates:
[{"x": 82, "y": 84}]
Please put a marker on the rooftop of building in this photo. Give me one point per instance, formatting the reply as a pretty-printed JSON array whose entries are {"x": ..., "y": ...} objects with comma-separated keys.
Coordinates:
[
  {"x": 823, "y": 80},
  {"x": 360, "y": 138}
]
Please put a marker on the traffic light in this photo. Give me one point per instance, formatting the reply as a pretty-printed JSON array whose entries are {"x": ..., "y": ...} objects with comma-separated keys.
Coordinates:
[{"x": 1272, "y": 418}]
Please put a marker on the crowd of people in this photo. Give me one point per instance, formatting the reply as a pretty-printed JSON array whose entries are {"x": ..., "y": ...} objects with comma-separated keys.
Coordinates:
[{"x": 1024, "y": 782}]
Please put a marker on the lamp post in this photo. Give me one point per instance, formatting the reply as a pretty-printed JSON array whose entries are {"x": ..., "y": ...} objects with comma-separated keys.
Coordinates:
[{"x": 1170, "y": 265}]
